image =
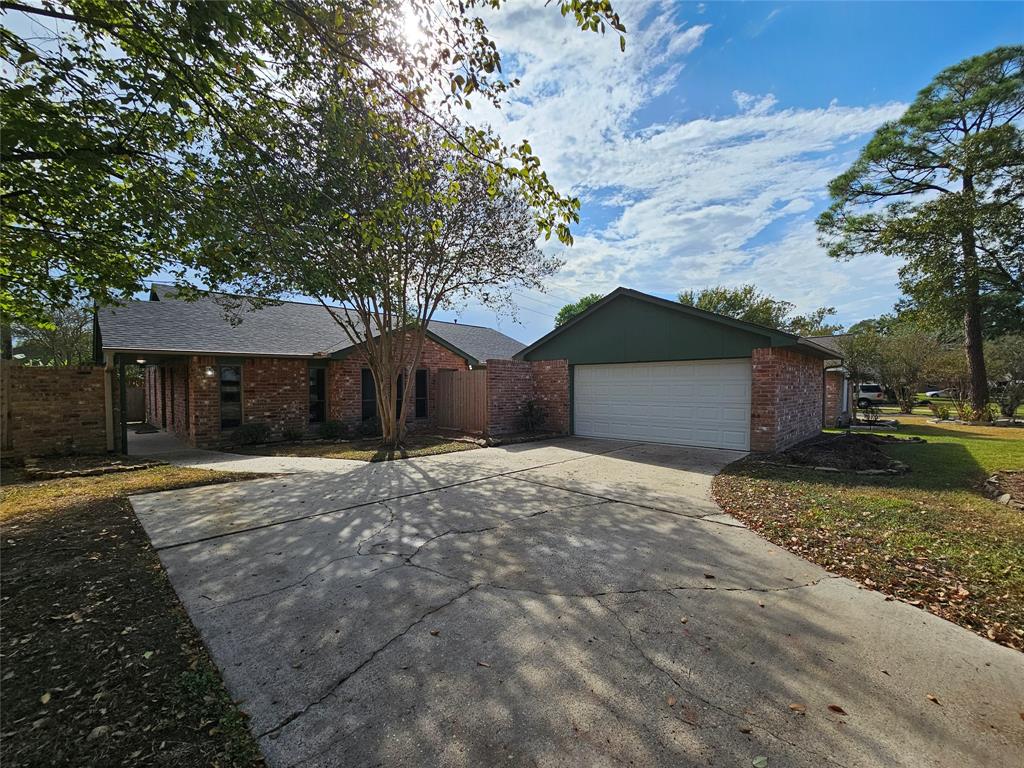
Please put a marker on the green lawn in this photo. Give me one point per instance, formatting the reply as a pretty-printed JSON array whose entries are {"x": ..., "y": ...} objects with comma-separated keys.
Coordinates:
[
  {"x": 362, "y": 450},
  {"x": 929, "y": 537}
]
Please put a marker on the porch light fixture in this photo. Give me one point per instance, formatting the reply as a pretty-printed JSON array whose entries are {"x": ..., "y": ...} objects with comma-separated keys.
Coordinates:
[
  {"x": 141, "y": 361},
  {"x": 210, "y": 371}
]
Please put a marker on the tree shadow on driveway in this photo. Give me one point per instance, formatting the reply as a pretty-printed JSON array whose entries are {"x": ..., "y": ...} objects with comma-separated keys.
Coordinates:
[{"x": 498, "y": 619}]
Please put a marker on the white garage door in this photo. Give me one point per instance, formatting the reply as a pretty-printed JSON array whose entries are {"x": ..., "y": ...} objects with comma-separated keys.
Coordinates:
[{"x": 705, "y": 403}]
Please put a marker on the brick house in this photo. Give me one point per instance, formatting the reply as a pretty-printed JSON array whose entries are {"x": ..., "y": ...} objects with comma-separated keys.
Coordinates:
[
  {"x": 632, "y": 367},
  {"x": 287, "y": 365}
]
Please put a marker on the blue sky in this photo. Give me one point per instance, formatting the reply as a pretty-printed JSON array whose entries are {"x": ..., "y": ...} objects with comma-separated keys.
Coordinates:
[{"x": 701, "y": 154}]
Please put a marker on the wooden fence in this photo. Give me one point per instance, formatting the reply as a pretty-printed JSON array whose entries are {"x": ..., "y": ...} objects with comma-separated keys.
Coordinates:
[{"x": 461, "y": 400}]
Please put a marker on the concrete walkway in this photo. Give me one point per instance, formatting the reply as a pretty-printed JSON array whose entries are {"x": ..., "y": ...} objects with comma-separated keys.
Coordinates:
[
  {"x": 167, "y": 447},
  {"x": 569, "y": 603}
]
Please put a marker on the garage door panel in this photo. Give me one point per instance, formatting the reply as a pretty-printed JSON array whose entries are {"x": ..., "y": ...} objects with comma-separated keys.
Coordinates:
[{"x": 705, "y": 403}]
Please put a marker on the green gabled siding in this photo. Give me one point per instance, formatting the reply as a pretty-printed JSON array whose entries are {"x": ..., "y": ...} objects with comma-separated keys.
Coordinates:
[{"x": 630, "y": 330}]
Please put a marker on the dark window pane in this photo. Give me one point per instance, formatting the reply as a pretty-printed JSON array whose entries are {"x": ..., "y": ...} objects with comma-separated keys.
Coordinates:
[
  {"x": 369, "y": 395},
  {"x": 317, "y": 395},
  {"x": 398, "y": 395},
  {"x": 230, "y": 396},
  {"x": 421, "y": 394}
]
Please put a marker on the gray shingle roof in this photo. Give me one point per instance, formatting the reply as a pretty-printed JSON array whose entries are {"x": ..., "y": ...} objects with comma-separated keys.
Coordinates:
[
  {"x": 286, "y": 329},
  {"x": 830, "y": 343}
]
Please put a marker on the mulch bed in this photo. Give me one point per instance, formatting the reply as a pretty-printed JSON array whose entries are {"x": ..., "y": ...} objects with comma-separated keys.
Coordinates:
[
  {"x": 850, "y": 452},
  {"x": 101, "y": 665}
]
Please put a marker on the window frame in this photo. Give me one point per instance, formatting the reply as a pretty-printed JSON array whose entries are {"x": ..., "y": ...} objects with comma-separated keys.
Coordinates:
[
  {"x": 220, "y": 395},
  {"x": 420, "y": 396},
  {"x": 321, "y": 372},
  {"x": 366, "y": 377}
]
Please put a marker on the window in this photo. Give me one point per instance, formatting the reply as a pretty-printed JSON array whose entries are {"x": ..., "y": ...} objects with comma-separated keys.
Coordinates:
[
  {"x": 317, "y": 395},
  {"x": 421, "y": 394},
  {"x": 369, "y": 395},
  {"x": 230, "y": 396}
]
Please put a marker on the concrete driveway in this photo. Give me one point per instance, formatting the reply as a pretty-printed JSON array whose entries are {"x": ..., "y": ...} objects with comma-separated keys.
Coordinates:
[{"x": 570, "y": 603}]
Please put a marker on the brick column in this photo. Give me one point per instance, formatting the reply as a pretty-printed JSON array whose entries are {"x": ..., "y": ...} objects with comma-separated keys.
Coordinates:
[{"x": 785, "y": 398}]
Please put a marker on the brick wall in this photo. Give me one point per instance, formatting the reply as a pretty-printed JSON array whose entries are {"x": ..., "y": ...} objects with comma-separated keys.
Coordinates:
[
  {"x": 53, "y": 410},
  {"x": 509, "y": 387},
  {"x": 834, "y": 397},
  {"x": 275, "y": 391},
  {"x": 786, "y": 398},
  {"x": 551, "y": 391},
  {"x": 344, "y": 384},
  {"x": 203, "y": 402},
  {"x": 511, "y": 383}
]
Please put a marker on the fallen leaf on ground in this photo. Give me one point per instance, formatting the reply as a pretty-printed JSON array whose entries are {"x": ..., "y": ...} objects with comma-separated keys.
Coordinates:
[
  {"x": 435, "y": 632},
  {"x": 933, "y": 698},
  {"x": 837, "y": 709},
  {"x": 482, "y": 664},
  {"x": 671, "y": 701},
  {"x": 45, "y": 698},
  {"x": 709, "y": 575},
  {"x": 760, "y": 762},
  {"x": 798, "y": 707},
  {"x": 683, "y": 620}
]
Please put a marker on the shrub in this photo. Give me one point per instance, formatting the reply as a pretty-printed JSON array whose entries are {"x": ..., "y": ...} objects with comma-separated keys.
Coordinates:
[
  {"x": 531, "y": 416},
  {"x": 1010, "y": 398},
  {"x": 939, "y": 410},
  {"x": 369, "y": 427},
  {"x": 871, "y": 415},
  {"x": 253, "y": 432},
  {"x": 293, "y": 434},
  {"x": 333, "y": 430},
  {"x": 989, "y": 413}
]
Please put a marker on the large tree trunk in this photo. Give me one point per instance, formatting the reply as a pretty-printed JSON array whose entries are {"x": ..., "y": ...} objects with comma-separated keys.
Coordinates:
[{"x": 973, "y": 340}]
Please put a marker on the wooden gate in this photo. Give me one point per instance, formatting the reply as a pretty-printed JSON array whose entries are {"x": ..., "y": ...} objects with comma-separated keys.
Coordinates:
[{"x": 461, "y": 400}]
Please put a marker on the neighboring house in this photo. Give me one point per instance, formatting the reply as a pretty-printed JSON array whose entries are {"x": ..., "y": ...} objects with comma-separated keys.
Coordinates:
[
  {"x": 643, "y": 368},
  {"x": 289, "y": 365},
  {"x": 838, "y": 387},
  {"x": 632, "y": 366}
]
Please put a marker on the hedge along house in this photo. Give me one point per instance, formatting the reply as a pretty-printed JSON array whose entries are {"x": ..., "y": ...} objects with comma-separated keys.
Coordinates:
[
  {"x": 643, "y": 368},
  {"x": 288, "y": 365}
]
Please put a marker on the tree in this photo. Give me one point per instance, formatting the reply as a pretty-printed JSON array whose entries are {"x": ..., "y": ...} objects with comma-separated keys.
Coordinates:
[
  {"x": 569, "y": 311},
  {"x": 905, "y": 358},
  {"x": 114, "y": 113},
  {"x": 813, "y": 323},
  {"x": 943, "y": 188},
  {"x": 748, "y": 304},
  {"x": 68, "y": 342},
  {"x": 382, "y": 213},
  {"x": 1004, "y": 358},
  {"x": 860, "y": 350}
]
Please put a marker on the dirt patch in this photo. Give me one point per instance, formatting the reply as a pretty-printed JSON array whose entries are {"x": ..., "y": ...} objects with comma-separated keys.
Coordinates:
[
  {"x": 846, "y": 452},
  {"x": 101, "y": 665}
]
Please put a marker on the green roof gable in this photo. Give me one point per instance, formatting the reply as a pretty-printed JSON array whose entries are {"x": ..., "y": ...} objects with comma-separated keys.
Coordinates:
[{"x": 631, "y": 327}]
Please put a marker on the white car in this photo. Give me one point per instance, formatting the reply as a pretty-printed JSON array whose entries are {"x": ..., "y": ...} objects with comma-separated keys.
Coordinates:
[{"x": 870, "y": 394}]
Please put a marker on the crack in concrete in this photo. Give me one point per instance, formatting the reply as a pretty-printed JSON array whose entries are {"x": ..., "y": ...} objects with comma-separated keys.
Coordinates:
[
  {"x": 732, "y": 715},
  {"x": 369, "y": 658},
  {"x": 385, "y": 499}
]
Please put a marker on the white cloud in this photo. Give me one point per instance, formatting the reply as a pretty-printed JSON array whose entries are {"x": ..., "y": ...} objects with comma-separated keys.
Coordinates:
[{"x": 681, "y": 204}]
